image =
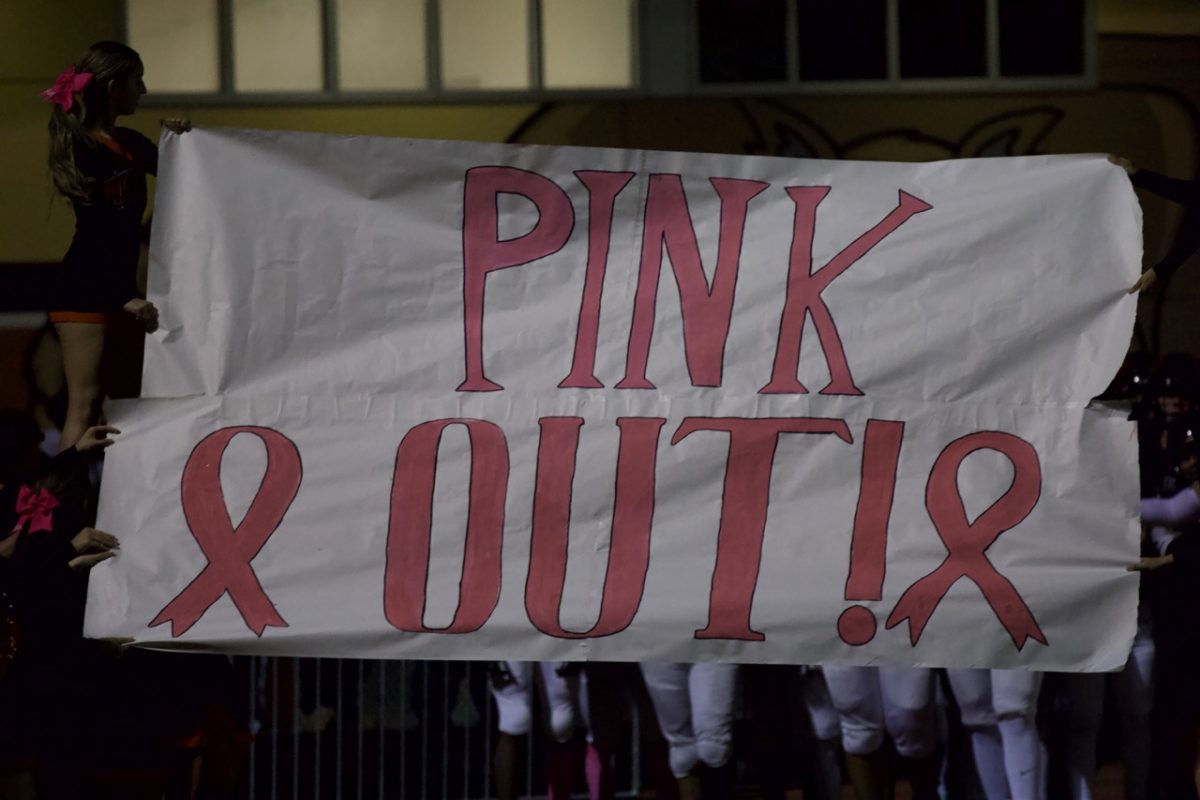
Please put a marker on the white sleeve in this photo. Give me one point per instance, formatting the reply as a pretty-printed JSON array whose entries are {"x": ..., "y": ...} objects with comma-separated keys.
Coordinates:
[
  {"x": 1179, "y": 509},
  {"x": 1161, "y": 538}
]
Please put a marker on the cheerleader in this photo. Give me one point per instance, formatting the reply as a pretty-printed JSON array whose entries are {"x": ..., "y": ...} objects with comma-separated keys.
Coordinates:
[{"x": 101, "y": 169}]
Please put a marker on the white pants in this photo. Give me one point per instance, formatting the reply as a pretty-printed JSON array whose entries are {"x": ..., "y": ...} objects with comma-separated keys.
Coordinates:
[
  {"x": 694, "y": 705},
  {"x": 999, "y": 709},
  {"x": 559, "y": 698},
  {"x": 873, "y": 700},
  {"x": 826, "y": 724},
  {"x": 987, "y": 695}
]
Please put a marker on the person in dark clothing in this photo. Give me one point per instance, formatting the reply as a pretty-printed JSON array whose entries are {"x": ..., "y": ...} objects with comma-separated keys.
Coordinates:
[
  {"x": 1186, "y": 193},
  {"x": 46, "y": 550},
  {"x": 76, "y": 713},
  {"x": 1169, "y": 466},
  {"x": 101, "y": 169}
]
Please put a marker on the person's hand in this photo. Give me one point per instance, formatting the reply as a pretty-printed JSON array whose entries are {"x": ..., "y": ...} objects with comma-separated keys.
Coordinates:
[
  {"x": 95, "y": 438},
  {"x": 86, "y": 562},
  {"x": 176, "y": 124},
  {"x": 114, "y": 646},
  {"x": 1123, "y": 163},
  {"x": 90, "y": 540},
  {"x": 1145, "y": 282},
  {"x": 1150, "y": 563},
  {"x": 144, "y": 312},
  {"x": 93, "y": 546}
]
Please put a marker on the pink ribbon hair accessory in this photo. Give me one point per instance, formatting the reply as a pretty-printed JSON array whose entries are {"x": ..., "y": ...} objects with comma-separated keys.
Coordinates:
[
  {"x": 62, "y": 93},
  {"x": 36, "y": 509}
]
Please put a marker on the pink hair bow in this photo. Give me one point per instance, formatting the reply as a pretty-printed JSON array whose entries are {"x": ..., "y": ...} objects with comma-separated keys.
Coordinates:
[
  {"x": 35, "y": 509},
  {"x": 62, "y": 93}
]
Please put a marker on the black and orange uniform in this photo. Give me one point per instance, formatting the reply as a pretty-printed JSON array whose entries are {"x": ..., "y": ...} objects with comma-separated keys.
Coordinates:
[{"x": 99, "y": 272}]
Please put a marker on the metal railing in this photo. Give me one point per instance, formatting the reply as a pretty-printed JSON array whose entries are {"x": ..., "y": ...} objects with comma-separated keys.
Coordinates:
[{"x": 367, "y": 730}]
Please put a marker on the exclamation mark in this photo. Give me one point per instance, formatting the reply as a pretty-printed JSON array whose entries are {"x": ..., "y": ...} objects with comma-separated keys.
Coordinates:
[{"x": 868, "y": 543}]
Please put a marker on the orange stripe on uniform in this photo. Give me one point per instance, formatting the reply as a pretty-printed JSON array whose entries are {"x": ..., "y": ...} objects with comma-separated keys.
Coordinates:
[{"x": 85, "y": 317}]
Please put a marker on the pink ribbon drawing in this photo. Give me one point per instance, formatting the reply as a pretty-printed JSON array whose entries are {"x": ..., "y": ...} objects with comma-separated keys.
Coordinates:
[
  {"x": 230, "y": 549},
  {"x": 967, "y": 542}
]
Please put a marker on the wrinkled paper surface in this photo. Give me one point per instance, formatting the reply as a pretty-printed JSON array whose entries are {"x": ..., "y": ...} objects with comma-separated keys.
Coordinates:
[{"x": 317, "y": 286}]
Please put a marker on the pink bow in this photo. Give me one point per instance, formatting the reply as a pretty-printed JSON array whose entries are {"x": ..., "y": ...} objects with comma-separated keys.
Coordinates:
[
  {"x": 62, "y": 93},
  {"x": 35, "y": 509}
]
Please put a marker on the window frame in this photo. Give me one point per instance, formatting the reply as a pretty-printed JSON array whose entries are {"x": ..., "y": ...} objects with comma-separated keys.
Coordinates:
[
  {"x": 665, "y": 63},
  {"x": 894, "y": 83},
  {"x": 435, "y": 93}
]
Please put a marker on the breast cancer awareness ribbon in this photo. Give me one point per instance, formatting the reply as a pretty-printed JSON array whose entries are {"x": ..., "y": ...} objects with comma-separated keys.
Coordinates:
[
  {"x": 230, "y": 549},
  {"x": 967, "y": 542},
  {"x": 35, "y": 509}
]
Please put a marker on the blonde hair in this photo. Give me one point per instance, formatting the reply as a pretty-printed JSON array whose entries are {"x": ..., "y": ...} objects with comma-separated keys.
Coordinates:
[{"x": 106, "y": 61}]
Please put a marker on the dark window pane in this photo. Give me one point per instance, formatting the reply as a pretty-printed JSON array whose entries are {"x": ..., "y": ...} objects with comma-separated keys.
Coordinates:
[
  {"x": 743, "y": 41},
  {"x": 943, "y": 38},
  {"x": 846, "y": 40},
  {"x": 1041, "y": 37}
]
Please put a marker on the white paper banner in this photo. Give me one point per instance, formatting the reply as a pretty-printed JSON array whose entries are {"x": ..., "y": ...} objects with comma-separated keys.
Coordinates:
[{"x": 422, "y": 399}]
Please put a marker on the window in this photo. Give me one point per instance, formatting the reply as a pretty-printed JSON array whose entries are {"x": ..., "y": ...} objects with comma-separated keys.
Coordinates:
[
  {"x": 943, "y": 39},
  {"x": 485, "y": 45},
  {"x": 588, "y": 44},
  {"x": 276, "y": 45},
  {"x": 1040, "y": 38},
  {"x": 842, "y": 41},
  {"x": 744, "y": 41},
  {"x": 179, "y": 39},
  {"x": 342, "y": 50},
  {"x": 257, "y": 51},
  {"x": 381, "y": 45},
  {"x": 873, "y": 45}
]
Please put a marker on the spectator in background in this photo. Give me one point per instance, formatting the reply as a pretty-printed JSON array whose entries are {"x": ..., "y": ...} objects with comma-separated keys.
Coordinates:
[
  {"x": 46, "y": 550},
  {"x": 1169, "y": 466}
]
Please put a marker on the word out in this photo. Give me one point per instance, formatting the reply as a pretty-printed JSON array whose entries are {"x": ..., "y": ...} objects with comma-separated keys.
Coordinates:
[{"x": 750, "y": 459}]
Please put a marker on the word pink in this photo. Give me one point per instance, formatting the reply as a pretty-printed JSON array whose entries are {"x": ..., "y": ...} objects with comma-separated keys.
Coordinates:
[{"x": 706, "y": 308}]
